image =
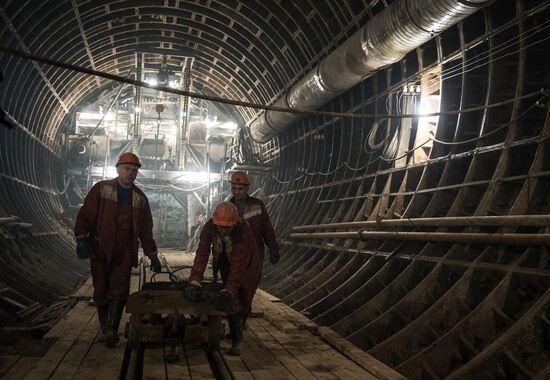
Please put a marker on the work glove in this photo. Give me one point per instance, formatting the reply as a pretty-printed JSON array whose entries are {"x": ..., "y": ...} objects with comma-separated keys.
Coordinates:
[
  {"x": 274, "y": 257},
  {"x": 83, "y": 247},
  {"x": 156, "y": 266},
  {"x": 193, "y": 292},
  {"x": 223, "y": 300}
]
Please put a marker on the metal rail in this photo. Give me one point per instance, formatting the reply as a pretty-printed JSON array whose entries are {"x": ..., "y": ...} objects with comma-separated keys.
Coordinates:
[
  {"x": 508, "y": 220},
  {"x": 449, "y": 237}
]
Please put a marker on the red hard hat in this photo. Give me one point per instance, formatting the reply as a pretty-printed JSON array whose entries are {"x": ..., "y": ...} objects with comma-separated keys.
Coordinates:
[
  {"x": 225, "y": 215},
  {"x": 129, "y": 159},
  {"x": 239, "y": 178}
]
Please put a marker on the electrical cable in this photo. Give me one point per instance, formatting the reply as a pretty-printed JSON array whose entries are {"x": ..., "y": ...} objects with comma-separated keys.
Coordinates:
[
  {"x": 457, "y": 68},
  {"x": 173, "y": 273},
  {"x": 392, "y": 150},
  {"x": 495, "y": 49},
  {"x": 191, "y": 94},
  {"x": 494, "y": 59},
  {"x": 469, "y": 140},
  {"x": 488, "y": 133},
  {"x": 372, "y": 135}
]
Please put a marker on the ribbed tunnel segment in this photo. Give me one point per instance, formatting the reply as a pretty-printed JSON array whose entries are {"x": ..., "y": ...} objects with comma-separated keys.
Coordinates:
[{"x": 429, "y": 310}]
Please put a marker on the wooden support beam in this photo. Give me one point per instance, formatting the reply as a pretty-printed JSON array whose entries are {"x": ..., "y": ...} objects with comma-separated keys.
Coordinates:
[
  {"x": 466, "y": 221},
  {"x": 360, "y": 357},
  {"x": 447, "y": 237}
]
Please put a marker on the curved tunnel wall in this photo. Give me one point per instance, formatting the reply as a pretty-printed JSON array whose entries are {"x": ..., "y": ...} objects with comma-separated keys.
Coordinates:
[
  {"x": 431, "y": 310},
  {"x": 243, "y": 50}
]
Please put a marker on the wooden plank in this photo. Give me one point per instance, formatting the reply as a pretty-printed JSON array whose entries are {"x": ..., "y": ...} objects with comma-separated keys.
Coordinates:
[
  {"x": 153, "y": 364},
  {"x": 269, "y": 297},
  {"x": 235, "y": 364},
  {"x": 70, "y": 363},
  {"x": 315, "y": 354},
  {"x": 60, "y": 327},
  {"x": 286, "y": 358},
  {"x": 21, "y": 368},
  {"x": 260, "y": 361},
  {"x": 102, "y": 362},
  {"x": 273, "y": 315},
  {"x": 198, "y": 363},
  {"x": 86, "y": 291},
  {"x": 343, "y": 367},
  {"x": 72, "y": 330},
  {"x": 178, "y": 369},
  {"x": 6, "y": 362},
  {"x": 304, "y": 354},
  {"x": 285, "y": 311},
  {"x": 366, "y": 361}
]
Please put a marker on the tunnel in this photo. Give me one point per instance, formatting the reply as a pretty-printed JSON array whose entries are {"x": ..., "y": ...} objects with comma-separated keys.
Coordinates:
[{"x": 401, "y": 148}]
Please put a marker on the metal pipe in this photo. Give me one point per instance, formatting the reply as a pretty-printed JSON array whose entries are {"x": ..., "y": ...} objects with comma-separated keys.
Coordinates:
[
  {"x": 7, "y": 220},
  {"x": 137, "y": 104},
  {"x": 505, "y": 220},
  {"x": 21, "y": 225},
  {"x": 183, "y": 126},
  {"x": 447, "y": 237},
  {"x": 385, "y": 39}
]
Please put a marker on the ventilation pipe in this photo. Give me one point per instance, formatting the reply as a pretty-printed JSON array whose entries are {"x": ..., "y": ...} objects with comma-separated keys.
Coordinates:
[{"x": 386, "y": 39}]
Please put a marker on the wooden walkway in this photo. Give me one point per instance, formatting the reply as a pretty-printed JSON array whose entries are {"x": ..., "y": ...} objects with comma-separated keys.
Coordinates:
[{"x": 279, "y": 343}]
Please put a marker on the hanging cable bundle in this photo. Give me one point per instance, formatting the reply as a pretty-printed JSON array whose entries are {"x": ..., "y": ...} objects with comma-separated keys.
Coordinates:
[{"x": 371, "y": 140}]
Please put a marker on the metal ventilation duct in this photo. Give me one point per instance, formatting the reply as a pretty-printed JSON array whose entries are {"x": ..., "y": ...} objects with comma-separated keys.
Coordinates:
[{"x": 386, "y": 39}]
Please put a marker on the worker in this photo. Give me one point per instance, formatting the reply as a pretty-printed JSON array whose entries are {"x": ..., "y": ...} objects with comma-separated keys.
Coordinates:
[
  {"x": 231, "y": 241},
  {"x": 115, "y": 214},
  {"x": 254, "y": 212}
]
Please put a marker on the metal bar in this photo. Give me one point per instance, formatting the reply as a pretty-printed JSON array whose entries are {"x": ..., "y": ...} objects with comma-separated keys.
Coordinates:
[
  {"x": 31, "y": 135},
  {"x": 183, "y": 129},
  {"x": 7, "y": 220},
  {"x": 450, "y": 237},
  {"x": 412, "y": 192},
  {"x": 137, "y": 105},
  {"x": 21, "y": 225},
  {"x": 32, "y": 186},
  {"x": 85, "y": 39},
  {"x": 23, "y": 45},
  {"x": 195, "y": 158},
  {"x": 505, "y": 220}
]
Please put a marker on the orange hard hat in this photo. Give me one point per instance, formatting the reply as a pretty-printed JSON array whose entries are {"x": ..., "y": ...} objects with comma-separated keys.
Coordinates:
[
  {"x": 225, "y": 215},
  {"x": 239, "y": 178},
  {"x": 129, "y": 159}
]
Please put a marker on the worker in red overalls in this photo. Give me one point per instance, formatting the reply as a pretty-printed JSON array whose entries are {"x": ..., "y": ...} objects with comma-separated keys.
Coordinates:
[
  {"x": 254, "y": 212},
  {"x": 115, "y": 214},
  {"x": 231, "y": 241}
]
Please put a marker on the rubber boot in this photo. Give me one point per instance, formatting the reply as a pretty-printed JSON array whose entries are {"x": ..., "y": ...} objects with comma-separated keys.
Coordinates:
[
  {"x": 115, "y": 313},
  {"x": 103, "y": 316},
  {"x": 235, "y": 322}
]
